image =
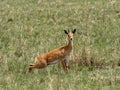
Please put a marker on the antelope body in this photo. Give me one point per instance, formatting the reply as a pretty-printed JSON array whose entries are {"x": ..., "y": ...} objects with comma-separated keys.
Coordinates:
[{"x": 52, "y": 57}]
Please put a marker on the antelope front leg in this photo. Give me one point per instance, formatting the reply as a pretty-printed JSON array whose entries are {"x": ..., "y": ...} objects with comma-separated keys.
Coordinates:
[{"x": 65, "y": 65}]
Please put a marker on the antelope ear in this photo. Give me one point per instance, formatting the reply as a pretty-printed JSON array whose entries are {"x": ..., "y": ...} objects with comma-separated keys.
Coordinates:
[
  {"x": 65, "y": 32},
  {"x": 74, "y": 31}
]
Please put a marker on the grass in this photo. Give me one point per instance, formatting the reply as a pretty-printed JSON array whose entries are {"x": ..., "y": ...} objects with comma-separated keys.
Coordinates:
[{"x": 31, "y": 27}]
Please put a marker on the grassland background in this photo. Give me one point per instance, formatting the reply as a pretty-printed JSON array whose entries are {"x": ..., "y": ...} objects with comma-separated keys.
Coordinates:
[{"x": 31, "y": 27}]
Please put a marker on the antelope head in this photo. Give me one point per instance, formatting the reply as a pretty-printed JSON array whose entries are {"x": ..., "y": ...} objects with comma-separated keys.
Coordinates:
[{"x": 70, "y": 34}]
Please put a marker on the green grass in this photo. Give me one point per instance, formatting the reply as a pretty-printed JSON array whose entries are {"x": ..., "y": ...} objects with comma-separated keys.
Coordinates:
[{"x": 32, "y": 27}]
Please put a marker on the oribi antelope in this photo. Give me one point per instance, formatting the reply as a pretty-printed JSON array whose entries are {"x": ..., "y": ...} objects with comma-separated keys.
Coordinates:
[{"x": 56, "y": 55}]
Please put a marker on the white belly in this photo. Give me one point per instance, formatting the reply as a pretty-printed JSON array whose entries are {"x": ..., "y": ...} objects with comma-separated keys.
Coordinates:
[{"x": 54, "y": 62}]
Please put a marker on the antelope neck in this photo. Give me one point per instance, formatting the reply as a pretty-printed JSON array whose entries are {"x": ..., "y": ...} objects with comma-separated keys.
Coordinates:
[{"x": 70, "y": 44}]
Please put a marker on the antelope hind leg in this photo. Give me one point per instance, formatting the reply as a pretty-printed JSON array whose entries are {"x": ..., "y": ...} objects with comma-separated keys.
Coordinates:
[
  {"x": 31, "y": 66},
  {"x": 40, "y": 65}
]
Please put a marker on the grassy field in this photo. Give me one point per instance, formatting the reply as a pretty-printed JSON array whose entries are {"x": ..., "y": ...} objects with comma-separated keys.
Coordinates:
[{"x": 32, "y": 27}]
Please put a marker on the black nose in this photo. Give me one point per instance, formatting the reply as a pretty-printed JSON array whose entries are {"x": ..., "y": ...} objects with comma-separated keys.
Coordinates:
[{"x": 71, "y": 38}]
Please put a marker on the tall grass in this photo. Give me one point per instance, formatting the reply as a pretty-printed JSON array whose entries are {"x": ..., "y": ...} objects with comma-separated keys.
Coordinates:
[{"x": 32, "y": 27}]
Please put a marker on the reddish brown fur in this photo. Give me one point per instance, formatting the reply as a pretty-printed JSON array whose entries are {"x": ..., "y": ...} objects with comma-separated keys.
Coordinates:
[{"x": 60, "y": 53}]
